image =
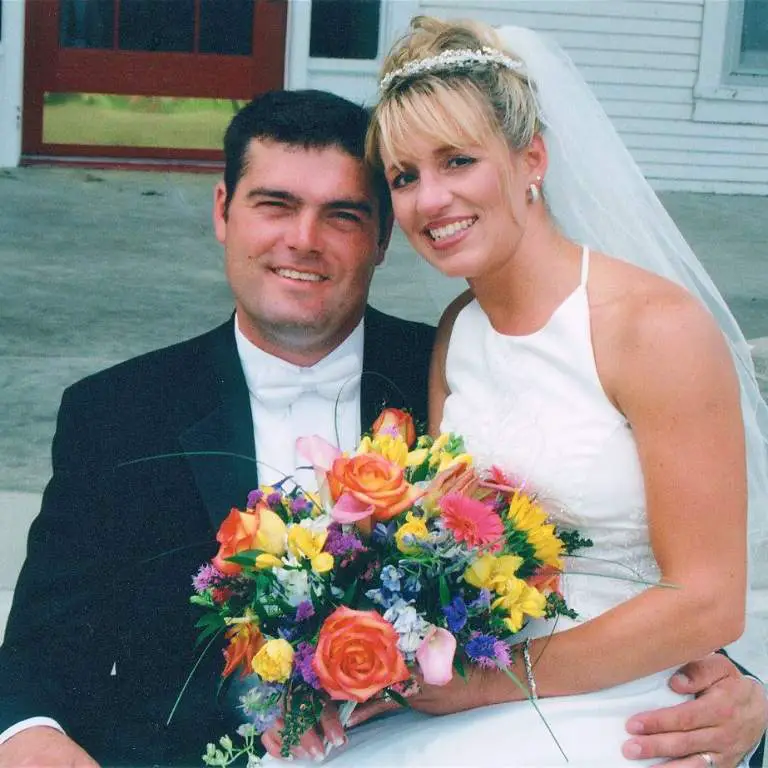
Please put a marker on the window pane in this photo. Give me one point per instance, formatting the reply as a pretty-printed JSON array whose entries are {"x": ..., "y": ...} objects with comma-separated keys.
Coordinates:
[
  {"x": 157, "y": 25},
  {"x": 102, "y": 119},
  {"x": 754, "y": 36},
  {"x": 226, "y": 26},
  {"x": 86, "y": 23},
  {"x": 345, "y": 29}
]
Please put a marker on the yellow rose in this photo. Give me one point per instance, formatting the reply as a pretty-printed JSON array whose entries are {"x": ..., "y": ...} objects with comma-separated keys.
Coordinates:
[
  {"x": 272, "y": 531},
  {"x": 274, "y": 661},
  {"x": 413, "y": 526},
  {"x": 322, "y": 562}
]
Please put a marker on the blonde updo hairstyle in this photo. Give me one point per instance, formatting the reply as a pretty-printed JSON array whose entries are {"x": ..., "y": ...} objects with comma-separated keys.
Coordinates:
[{"x": 456, "y": 105}]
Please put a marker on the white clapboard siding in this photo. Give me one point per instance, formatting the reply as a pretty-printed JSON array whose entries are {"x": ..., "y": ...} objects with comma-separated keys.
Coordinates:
[{"x": 641, "y": 57}]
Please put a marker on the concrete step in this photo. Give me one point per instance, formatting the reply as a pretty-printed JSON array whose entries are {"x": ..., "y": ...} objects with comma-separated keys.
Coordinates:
[
  {"x": 17, "y": 510},
  {"x": 6, "y": 597}
]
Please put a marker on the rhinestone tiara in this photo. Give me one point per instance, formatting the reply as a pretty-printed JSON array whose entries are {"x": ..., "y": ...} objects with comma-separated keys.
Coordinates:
[{"x": 457, "y": 58}]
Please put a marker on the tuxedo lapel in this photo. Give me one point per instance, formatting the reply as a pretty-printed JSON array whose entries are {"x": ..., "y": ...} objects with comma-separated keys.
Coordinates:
[
  {"x": 395, "y": 365},
  {"x": 375, "y": 384},
  {"x": 219, "y": 447}
]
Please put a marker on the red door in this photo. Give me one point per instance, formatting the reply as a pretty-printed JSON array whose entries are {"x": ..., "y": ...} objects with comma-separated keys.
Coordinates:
[{"x": 142, "y": 78}]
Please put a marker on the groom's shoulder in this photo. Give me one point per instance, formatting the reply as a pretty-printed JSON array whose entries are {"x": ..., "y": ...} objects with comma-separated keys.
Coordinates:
[{"x": 410, "y": 336}]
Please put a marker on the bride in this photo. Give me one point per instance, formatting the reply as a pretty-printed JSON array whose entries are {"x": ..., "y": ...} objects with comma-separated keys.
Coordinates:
[{"x": 584, "y": 362}]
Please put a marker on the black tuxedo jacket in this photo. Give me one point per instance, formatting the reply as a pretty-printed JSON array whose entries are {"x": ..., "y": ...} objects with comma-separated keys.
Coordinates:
[{"x": 101, "y": 634}]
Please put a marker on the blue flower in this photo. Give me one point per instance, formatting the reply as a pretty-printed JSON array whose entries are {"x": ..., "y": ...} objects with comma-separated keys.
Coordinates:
[
  {"x": 482, "y": 649},
  {"x": 383, "y": 597},
  {"x": 390, "y": 578},
  {"x": 411, "y": 586},
  {"x": 384, "y": 533},
  {"x": 456, "y": 614}
]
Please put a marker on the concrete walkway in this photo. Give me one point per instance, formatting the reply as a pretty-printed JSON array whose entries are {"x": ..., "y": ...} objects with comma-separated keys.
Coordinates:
[{"x": 97, "y": 266}]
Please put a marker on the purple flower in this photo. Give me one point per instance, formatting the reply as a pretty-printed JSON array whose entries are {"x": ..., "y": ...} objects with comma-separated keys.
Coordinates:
[
  {"x": 501, "y": 650},
  {"x": 339, "y": 543},
  {"x": 302, "y": 662},
  {"x": 254, "y": 497},
  {"x": 456, "y": 614},
  {"x": 482, "y": 649},
  {"x": 207, "y": 576},
  {"x": 304, "y": 610},
  {"x": 274, "y": 500},
  {"x": 261, "y": 703},
  {"x": 482, "y": 602},
  {"x": 299, "y": 505}
]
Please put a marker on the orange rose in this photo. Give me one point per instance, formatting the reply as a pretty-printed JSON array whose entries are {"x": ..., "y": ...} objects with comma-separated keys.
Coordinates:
[
  {"x": 256, "y": 528},
  {"x": 373, "y": 481},
  {"x": 245, "y": 641},
  {"x": 393, "y": 421},
  {"x": 357, "y": 655},
  {"x": 237, "y": 533}
]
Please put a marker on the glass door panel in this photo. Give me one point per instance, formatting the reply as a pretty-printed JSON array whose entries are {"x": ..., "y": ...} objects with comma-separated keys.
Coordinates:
[{"x": 159, "y": 75}]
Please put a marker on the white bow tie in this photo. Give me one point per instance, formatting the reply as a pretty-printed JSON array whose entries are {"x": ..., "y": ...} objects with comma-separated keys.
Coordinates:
[{"x": 279, "y": 387}]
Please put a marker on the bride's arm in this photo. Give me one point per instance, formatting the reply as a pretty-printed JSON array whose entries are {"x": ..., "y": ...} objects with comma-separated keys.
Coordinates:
[
  {"x": 671, "y": 375},
  {"x": 438, "y": 386}
]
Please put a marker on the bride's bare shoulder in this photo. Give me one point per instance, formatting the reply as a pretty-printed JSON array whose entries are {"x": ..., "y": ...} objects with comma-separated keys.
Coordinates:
[
  {"x": 642, "y": 322},
  {"x": 629, "y": 297}
]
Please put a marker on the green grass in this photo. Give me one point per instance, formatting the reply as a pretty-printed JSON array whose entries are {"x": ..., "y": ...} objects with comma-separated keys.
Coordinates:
[{"x": 130, "y": 122}]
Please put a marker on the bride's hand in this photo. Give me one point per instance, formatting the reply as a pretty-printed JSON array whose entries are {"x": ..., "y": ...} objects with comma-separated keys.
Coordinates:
[
  {"x": 474, "y": 690},
  {"x": 313, "y": 743}
]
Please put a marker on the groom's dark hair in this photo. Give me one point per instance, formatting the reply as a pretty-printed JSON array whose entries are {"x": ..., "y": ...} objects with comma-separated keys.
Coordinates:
[{"x": 307, "y": 119}]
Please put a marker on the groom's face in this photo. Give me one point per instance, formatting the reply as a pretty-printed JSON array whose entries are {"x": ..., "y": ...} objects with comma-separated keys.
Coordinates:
[{"x": 301, "y": 242}]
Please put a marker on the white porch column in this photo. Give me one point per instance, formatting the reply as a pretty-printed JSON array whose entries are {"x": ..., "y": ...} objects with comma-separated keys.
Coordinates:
[{"x": 11, "y": 82}]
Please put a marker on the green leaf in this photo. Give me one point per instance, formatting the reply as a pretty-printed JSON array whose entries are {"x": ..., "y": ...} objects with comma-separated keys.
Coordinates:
[
  {"x": 458, "y": 665},
  {"x": 210, "y": 620},
  {"x": 204, "y": 600},
  {"x": 247, "y": 557},
  {"x": 398, "y": 698},
  {"x": 445, "y": 594},
  {"x": 349, "y": 593},
  {"x": 205, "y": 634}
]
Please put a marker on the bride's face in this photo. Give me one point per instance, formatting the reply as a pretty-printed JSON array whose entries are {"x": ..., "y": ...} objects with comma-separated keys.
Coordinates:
[{"x": 462, "y": 208}]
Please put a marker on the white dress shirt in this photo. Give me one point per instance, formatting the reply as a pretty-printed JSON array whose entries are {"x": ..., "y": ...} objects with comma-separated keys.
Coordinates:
[{"x": 277, "y": 427}]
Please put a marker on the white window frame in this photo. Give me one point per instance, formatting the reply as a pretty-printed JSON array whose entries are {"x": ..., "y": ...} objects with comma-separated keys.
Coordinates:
[
  {"x": 722, "y": 95},
  {"x": 11, "y": 82},
  {"x": 393, "y": 22}
]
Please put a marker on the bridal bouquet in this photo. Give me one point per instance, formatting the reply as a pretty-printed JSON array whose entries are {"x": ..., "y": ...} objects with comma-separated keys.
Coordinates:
[{"x": 406, "y": 559}]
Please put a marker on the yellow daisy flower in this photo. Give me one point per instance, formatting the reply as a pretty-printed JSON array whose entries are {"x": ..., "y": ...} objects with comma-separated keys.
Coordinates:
[{"x": 529, "y": 517}]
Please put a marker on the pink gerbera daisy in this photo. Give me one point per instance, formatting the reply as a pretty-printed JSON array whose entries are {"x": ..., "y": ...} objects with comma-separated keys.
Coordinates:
[{"x": 472, "y": 522}]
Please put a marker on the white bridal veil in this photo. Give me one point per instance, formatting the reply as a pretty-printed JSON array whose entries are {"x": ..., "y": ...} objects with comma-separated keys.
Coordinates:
[{"x": 599, "y": 197}]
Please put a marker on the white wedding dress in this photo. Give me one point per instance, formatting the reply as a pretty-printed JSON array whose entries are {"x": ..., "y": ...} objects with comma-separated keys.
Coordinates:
[{"x": 534, "y": 406}]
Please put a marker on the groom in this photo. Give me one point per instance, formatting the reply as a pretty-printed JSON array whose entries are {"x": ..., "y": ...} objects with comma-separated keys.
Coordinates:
[{"x": 149, "y": 457}]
